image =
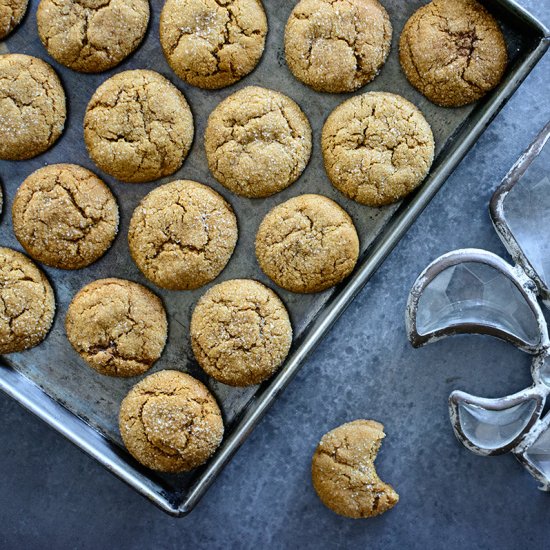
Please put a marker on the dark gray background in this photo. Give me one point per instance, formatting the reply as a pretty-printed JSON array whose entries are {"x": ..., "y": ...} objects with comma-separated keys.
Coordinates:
[{"x": 52, "y": 494}]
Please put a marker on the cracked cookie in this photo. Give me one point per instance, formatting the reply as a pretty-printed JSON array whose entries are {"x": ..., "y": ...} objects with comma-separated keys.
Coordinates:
[
  {"x": 65, "y": 216},
  {"x": 240, "y": 332},
  {"x": 337, "y": 45},
  {"x": 27, "y": 303},
  {"x": 307, "y": 244},
  {"x": 257, "y": 142},
  {"x": 453, "y": 51},
  {"x": 11, "y": 13},
  {"x": 377, "y": 148},
  {"x": 91, "y": 35},
  {"x": 213, "y": 43},
  {"x": 343, "y": 471},
  {"x": 182, "y": 235},
  {"x": 170, "y": 422},
  {"x": 32, "y": 106},
  {"x": 138, "y": 126},
  {"x": 118, "y": 327}
]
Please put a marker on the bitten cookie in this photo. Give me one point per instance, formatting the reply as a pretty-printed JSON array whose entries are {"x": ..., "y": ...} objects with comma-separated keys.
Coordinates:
[
  {"x": 213, "y": 43},
  {"x": 170, "y": 422},
  {"x": 182, "y": 235},
  {"x": 118, "y": 327},
  {"x": 91, "y": 36},
  {"x": 377, "y": 148},
  {"x": 11, "y": 13},
  {"x": 343, "y": 471},
  {"x": 307, "y": 244},
  {"x": 453, "y": 51},
  {"x": 65, "y": 216},
  {"x": 32, "y": 106},
  {"x": 337, "y": 45},
  {"x": 27, "y": 303},
  {"x": 240, "y": 332},
  {"x": 257, "y": 141},
  {"x": 138, "y": 126}
]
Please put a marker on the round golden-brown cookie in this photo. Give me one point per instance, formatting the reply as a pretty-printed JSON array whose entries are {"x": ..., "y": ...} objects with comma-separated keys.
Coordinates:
[
  {"x": 377, "y": 148},
  {"x": 118, "y": 327},
  {"x": 182, "y": 235},
  {"x": 343, "y": 471},
  {"x": 27, "y": 302},
  {"x": 65, "y": 216},
  {"x": 91, "y": 35},
  {"x": 32, "y": 106},
  {"x": 257, "y": 142},
  {"x": 337, "y": 45},
  {"x": 307, "y": 244},
  {"x": 11, "y": 13},
  {"x": 170, "y": 422},
  {"x": 240, "y": 332},
  {"x": 453, "y": 51},
  {"x": 138, "y": 126},
  {"x": 213, "y": 43}
]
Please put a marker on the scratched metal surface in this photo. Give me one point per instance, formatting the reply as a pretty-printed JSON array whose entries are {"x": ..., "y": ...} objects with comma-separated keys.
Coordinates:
[{"x": 53, "y": 365}]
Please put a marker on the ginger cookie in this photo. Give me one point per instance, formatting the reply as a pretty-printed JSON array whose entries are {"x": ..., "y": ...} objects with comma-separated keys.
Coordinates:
[
  {"x": 377, "y": 148},
  {"x": 170, "y": 422},
  {"x": 307, "y": 244},
  {"x": 213, "y": 43},
  {"x": 453, "y": 51},
  {"x": 138, "y": 126},
  {"x": 343, "y": 471},
  {"x": 27, "y": 303},
  {"x": 32, "y": 106},
  {"x": 65, "y": 216},
  {"x": 240, "y": 332},
  {"x": 11, "y": 13},
  {"x": 182, "y": 235},
  {"x": 337, "y": 45},
  {"x": 257, "y": 141},
  {"x": 118, "y": 327},
  {"x": 91, "y": 36}
]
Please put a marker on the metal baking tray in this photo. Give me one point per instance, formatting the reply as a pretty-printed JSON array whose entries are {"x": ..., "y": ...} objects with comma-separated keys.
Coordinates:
[{"x": 54, "y": 383}]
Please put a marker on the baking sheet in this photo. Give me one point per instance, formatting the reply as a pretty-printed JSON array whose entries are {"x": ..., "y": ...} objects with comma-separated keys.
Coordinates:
[{"x": 59, "y": 371}]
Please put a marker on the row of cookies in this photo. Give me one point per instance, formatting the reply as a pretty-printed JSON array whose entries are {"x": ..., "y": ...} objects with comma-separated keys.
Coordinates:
[{"x": 451, "y": 51}]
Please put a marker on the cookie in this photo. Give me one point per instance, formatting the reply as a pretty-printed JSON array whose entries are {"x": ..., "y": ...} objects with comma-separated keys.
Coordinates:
[
  {"x": 213, "y": 43},
  {"x": 240, "y": 332},
  {"x": 11, "y": 13},
  {"x": 182, "y": 235},
  {"x": 118, "y": 327},
  {"x": 170, "y": 422},
  {"x": 377, "y": 148},
  {"x": 307, "y": 244},
  {"x": 65, "y": 216},
  {"x": 27, "y": 303},
  {"x": 32, "y": 106},
  {"x": 257, "y": 142},
  {"x": 453, "y": 51},
  {"x": 343, "y": 471},
  {"x": 138, "y": 126},
  {"x": 91, "y": 36},
  {"x": 337, "y": 45}
]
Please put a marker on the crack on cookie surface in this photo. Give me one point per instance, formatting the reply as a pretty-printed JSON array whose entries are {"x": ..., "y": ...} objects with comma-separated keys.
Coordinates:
[
  {"x": 213, "y": 43},
  {"x": 138, "y": 126},
  {"x": 92, "y": 35},
  {"x": 119, "y": 327},
  {"x": 182, "y": 235},
  {"x": 307, "y": 244},
  {"x": 337, "y": 45},
  {"x": 258, "y": 142}
]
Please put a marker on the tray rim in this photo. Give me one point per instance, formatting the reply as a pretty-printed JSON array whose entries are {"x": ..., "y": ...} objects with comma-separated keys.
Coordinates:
[{"x": 92, "y": 442}]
